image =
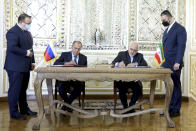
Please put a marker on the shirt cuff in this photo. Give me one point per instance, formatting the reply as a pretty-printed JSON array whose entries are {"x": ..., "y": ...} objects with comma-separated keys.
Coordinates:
[
  {"x": 136, "y": 64},
  {"x": 28, "y": 53},
  {"x": 116, "y": 64},
  {"x": 177, "y": 63}
]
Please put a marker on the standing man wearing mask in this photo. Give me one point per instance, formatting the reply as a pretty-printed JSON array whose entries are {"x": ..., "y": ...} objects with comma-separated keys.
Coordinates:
[
  {"x": 174, "y": 44},
  {"x": 18, "y": 63}
]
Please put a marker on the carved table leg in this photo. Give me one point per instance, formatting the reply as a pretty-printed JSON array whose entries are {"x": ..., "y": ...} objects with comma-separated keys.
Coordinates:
[
  {"x": 38, "y": 93},
  {"x": 50, "y": 95},
  {"x": 169, "y": 90},
  {"x": 152, "y": 91}
]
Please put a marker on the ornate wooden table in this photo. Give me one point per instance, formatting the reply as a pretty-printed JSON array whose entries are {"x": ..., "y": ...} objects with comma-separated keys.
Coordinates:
[{"x": 101, "y": 74}]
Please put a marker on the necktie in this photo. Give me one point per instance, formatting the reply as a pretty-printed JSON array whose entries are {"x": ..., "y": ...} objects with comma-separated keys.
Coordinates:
[{"x": 75, "y": 59}]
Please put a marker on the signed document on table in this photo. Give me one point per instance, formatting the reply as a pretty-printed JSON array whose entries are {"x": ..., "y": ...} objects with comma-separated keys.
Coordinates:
[
  {"x": 133, "y": 67},
  {"x": 67, "y": 65}
]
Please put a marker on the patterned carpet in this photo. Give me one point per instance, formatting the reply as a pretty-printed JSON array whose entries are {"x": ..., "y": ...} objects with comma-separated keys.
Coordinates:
[{"x": 100, "y": 104}]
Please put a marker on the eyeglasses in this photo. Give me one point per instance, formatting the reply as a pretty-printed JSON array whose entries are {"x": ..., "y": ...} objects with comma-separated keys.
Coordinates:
[
  {"x": 133, "y": 50},
  {"x": 75, "y": 48}
]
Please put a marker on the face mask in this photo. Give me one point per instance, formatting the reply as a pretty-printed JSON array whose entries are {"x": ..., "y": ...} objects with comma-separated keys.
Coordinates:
[
  {"x": 27, "y": 26},
  {"x": 165, "y": 23}
]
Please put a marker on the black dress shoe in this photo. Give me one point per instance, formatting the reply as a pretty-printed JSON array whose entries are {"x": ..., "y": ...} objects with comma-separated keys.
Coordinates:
[
  {"x": 65, "y": 108},
  {"x": 29, "y": 113},
  {"x": 18, "y": 117},
  {"x": 170, "y": 112},
  {"x": 174, "y": 114}
]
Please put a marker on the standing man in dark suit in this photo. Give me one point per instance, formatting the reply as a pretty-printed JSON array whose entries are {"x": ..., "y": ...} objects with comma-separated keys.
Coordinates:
[
  {"x": 71, "y": 58},
  {"x": 174, "y": 44},
  {"x": 131, "y": 58},
  {"x": 18, "y": 63}
]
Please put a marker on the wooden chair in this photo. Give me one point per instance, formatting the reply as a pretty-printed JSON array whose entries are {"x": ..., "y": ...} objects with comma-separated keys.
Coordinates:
[{"x": 69, "y": 92}]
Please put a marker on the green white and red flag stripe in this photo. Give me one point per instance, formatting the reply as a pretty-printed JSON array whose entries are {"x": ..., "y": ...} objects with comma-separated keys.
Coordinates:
[{"x": 159, "y": 55}]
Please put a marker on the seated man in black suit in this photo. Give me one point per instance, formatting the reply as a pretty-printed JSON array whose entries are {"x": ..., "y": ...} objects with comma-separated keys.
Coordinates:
[
  {"x": 131, "y": 58},
  {"x": 71, "y": 58}
]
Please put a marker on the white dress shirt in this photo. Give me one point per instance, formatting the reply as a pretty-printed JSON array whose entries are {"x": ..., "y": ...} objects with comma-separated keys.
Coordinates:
[{"x": 170, "y": 26}]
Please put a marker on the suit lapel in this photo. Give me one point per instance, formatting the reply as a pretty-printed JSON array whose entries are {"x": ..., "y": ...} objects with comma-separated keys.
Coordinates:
[
  {"x": 134, "y": 59},
  {"x": 28, "y": 37},
  {"x": 80, "y": 60},
  {"x": 69, "y": 56},
  {"x": 172, "y": 29},
  {"x": 166, "y": 35},
  {"x": 21, "y": 33},
  {"x": 128, "y": 60},
  {"x": 25, "y": 37}
]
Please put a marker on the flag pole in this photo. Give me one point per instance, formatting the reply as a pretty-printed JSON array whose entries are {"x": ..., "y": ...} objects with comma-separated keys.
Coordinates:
[
  {"x": 39, "y": 64},
  {"x": 50, "y": 51}
]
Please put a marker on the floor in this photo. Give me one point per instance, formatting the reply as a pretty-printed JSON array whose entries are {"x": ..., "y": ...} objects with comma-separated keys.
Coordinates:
[{"x": 145, "y": 122}]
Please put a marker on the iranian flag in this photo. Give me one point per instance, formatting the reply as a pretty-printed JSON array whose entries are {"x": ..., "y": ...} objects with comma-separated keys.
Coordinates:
[{"x": 159, "y": 55}]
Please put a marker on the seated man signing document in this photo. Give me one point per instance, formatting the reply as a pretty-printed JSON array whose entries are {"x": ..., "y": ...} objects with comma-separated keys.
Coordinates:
[
  {"x": 71, "y": 58},
  {"x": 129, "y": 58}
]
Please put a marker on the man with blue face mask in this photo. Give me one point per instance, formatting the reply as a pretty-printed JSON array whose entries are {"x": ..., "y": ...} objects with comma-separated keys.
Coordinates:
[
  {"x": 18, "y": 64},
  {"x": 27, "y": 27}
]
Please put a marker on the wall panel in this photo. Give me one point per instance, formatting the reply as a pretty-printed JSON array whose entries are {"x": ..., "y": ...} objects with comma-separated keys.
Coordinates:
[{"x": 119, "y": 22}]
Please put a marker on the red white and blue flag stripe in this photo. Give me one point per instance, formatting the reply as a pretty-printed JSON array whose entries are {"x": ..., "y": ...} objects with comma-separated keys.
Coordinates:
[{"x": 49, "y": 53}]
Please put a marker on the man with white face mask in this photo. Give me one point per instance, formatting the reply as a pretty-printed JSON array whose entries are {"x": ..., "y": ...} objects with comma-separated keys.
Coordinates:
[{"x": 19, "y": 61}]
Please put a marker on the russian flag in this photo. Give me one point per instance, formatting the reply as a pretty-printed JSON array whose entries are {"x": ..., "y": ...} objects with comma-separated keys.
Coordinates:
[{"x": 49, "y": 53}]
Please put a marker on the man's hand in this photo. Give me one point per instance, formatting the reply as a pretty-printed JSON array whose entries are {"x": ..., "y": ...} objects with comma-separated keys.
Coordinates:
[
  {"x": 71, "y": 63},
  {"x": 121, "y": 64},
  {"x": 176, "y": 66},
  {"x": 132, "y": 64},
  {"x": 32, "y": 66}
]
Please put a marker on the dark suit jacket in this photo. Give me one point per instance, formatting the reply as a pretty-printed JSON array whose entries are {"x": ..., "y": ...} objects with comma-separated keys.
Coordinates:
[
  {"x": 174, "y": 44},
  {"x": 124, "y": 56},
  {"x": 67, "y": 57},
  {"x": 18, "y": 42}
]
